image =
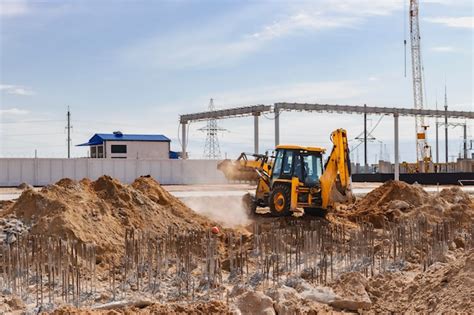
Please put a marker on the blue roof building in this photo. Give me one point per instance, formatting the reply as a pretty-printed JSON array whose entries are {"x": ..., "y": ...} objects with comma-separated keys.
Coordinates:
[{"x": 129, "y": 146}]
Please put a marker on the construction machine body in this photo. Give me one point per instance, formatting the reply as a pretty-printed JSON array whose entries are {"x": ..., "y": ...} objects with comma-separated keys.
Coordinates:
[{"x": 295, "y": 178}]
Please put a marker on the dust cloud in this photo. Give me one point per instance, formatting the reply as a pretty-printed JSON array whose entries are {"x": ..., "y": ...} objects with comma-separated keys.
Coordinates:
[{"x": 227, "y": 210}]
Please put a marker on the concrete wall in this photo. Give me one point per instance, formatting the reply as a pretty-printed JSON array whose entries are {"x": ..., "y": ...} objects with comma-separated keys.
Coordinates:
[
  {"x": 45, "y": 171},
  {"x": 139, "y": 149}
]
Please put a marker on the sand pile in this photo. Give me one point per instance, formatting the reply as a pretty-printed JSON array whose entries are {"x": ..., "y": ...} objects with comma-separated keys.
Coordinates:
[
  {"x": 100, "y": 211},
  {"x": 443, "y": 288},
  {"x": 210, "y": 307},
  {"x": 395, "y": 201}
]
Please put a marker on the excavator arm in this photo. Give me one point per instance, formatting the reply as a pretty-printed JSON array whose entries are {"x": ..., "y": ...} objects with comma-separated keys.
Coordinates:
[{"x": 336, "y": 178}]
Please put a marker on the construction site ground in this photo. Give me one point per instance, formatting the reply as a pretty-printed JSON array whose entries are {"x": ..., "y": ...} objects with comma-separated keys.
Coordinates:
[
  {"x": 188, "y": 191},
  {"x": 104, "y": 247}
]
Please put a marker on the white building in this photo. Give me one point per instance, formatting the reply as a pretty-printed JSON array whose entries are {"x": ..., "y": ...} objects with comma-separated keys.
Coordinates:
[{"x": 127, "y": 146}]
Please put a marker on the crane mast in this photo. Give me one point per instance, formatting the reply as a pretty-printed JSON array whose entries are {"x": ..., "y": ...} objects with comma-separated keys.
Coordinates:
[{"x": 422, "y": 147}]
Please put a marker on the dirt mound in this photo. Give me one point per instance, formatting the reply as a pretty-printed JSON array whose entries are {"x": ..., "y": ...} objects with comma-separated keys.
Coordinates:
[
  {"x": 5, "y": 204},
  {"x": 395, "y": 201},
  {"x": 443, "y": 288},
  {"x": 100, "y": 211},
  {"x": 211, "y": 307},
  {"x": 455, "y": 195}
]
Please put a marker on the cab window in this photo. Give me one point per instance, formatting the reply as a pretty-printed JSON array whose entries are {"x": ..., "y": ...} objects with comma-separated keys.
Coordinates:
[
  {"x": 287, "y": 163},
  {"x": 277, "y": 165},
  {"x": 312, "y": 169}
]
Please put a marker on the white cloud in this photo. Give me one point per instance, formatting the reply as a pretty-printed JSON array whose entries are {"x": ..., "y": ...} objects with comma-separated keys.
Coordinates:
[
  {"x": 327, "y": 91},
  {"x": 13, "y": 111},
  {"x": 303, "y": 22},
  {"x": 443, "y": 49},
  {"x": 15, "y": 90},
  {"x": 210, "y": 46},
  {"x": 457, "y": 22},
  {"x": 10, "y": 8}
]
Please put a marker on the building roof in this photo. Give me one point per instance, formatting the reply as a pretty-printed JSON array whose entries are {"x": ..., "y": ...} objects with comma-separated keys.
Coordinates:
[{"x": 99, "y": 138}]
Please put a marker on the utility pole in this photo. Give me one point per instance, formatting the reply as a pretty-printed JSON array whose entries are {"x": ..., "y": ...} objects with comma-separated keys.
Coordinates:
[
  {"x": 446, "y": 124},
  {"x": 437, "y": 126},
  {"x": 68, "y": 133},
  {"x": 465, "y": 141},
  {"x": 365, "y": 138}
]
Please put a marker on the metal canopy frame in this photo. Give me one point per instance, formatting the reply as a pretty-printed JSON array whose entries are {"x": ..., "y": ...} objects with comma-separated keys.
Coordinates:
[
  {"x": 257, "y": 110},
  {"x": 225, "y": 113},
  {"x": 351, "y": 109}
]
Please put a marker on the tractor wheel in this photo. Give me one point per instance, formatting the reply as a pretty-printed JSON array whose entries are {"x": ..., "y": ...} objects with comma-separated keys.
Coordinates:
[
  {"x": 280, "y": 199},
  {"x": 250, "y": 204}
]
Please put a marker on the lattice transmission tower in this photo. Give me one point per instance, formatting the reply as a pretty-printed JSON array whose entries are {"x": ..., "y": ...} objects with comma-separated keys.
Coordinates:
[{"x": 212, "y": 150}]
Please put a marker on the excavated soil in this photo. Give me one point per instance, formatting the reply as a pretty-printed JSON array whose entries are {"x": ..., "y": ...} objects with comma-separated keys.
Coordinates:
[
  {"x": 395, "y": 201},
  {"x": 442, "y": 288},
  {"x": 100, "y": 211},
  {"x": 212, "y": 307}
]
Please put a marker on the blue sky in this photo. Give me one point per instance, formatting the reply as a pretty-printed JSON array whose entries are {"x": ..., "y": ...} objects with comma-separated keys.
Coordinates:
[{"x": 135, "y": 66}]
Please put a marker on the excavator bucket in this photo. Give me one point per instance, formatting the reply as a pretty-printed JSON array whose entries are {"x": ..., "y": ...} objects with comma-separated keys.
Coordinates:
[
  {"x": 245, "y": 169},
  {"x": 237, "y": 171}
]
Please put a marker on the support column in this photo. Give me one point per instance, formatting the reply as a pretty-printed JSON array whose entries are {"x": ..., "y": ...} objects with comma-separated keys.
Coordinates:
[
  {"x": 397, "y": 166},
  {"x": 365, "y": 139},
  {"x": 277, "y": 125},
  {"x": 184, "y": 154},
  {"x": 255, "y": 132}
]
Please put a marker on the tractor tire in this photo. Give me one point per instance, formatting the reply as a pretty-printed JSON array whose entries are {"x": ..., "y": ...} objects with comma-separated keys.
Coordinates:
[
  {"x": 279, "y": 200},
  {"x": 250, "y": 205}
]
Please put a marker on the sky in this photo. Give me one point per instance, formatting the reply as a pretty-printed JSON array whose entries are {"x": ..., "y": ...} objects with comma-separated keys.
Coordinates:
[{"x": 135, "y": 66}]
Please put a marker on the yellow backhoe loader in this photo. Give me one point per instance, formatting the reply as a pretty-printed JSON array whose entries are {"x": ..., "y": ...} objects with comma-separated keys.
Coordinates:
[{"x": 295, "y": 177}]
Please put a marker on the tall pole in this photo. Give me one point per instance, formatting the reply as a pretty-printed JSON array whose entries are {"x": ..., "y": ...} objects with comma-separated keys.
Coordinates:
[
  {"x": 397, "y": 166},
  {"x": 68, "y": 133},
  {"x": 437, "y": 139},
  {"x": 437, "y": 143},
  {"x": 184, "y": 140},
  {"x": 465, "y": 141},
  {"x": 446, "y": 124},
  {"x": 277, "y": 125},
  {"x": 365, "y": 138}
]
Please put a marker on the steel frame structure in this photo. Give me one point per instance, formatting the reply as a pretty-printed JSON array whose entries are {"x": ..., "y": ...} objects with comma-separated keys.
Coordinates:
[{"x": 277, "y": 108}]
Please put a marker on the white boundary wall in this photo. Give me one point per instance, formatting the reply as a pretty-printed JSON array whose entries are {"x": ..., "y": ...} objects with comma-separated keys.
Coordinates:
[{"x": 45, "y": 171}]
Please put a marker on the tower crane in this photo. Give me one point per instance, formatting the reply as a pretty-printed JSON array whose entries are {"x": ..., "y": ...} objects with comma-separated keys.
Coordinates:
[{"x": 423, "y": 150}]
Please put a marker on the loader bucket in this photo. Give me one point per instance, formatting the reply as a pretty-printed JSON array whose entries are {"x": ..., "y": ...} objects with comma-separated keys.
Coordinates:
[{"x": 237, "y": 171}]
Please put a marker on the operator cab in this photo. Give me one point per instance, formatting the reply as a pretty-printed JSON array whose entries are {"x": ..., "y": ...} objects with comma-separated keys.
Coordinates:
[{"x": 305, "y": 163}]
